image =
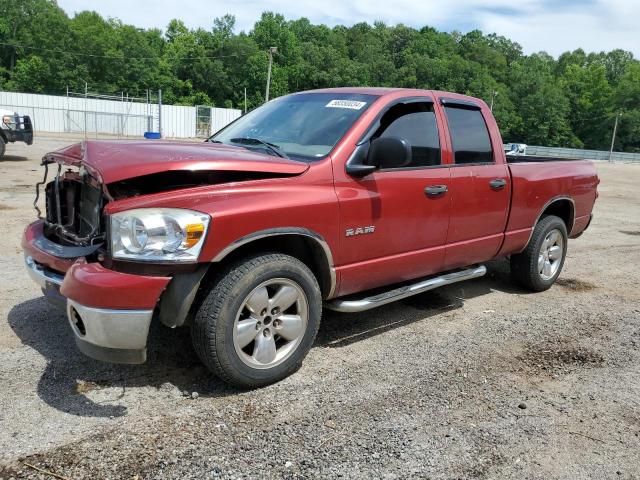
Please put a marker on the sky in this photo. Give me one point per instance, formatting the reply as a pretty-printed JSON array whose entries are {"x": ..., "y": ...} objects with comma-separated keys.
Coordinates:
[{"x": 554, "y": 26}]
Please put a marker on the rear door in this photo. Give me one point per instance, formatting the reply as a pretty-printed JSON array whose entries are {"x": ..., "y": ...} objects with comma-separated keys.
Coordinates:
[
  {"x": 392, "y": 229},
  {"x": 479, "y": 186}
]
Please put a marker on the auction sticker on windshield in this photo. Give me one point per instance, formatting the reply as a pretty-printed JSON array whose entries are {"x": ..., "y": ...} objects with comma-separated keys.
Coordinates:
[{"x": 353, "y": 104}]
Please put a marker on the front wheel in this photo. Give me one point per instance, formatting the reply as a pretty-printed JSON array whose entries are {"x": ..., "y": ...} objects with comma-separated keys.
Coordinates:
[
  {"x": 3, "y": 147},
  {"x": 541, "y": 262},
  {"x": 259, "y": 320}
]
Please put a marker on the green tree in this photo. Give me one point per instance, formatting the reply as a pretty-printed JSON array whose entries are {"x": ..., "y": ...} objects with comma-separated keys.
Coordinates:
[
  {"x": 31, "y": 74},
  {"x": 571, "y": 101},
  {"x": 627, "y": 102},
  {"x": 542, "y": 104},
  {"x": 589, "y": 97}
]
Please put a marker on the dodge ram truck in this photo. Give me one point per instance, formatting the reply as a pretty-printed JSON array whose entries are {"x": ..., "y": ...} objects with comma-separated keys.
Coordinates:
[{"x": 345, "y": 199}]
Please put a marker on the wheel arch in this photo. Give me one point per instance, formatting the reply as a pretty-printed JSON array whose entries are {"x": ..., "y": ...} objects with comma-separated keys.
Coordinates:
[
  {"x": 563, "y": 208},
  {"x": 304, "y": 244}
]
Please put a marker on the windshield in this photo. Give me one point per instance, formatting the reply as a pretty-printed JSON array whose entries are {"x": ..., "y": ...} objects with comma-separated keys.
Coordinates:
[{"x": 304, "y": 126}]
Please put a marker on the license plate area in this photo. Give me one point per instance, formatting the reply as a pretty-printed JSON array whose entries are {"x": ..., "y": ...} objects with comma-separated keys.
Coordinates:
[{"x": 51, "y": 292}]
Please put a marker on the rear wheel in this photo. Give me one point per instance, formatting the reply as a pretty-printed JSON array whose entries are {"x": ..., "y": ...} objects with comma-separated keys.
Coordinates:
[
  {"x": 540, "y": 264},
  {"x": 259, "y": 320},
  {"x": 3, "y": 147}
]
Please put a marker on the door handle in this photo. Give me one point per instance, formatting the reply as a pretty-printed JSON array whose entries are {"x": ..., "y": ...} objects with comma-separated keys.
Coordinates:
[
  {"x": 435, "y": 190},
  {"x": 497, "y": 183}
]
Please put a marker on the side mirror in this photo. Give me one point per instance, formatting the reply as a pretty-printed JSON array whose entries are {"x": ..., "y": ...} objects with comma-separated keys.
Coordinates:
[
  {"x": 389, "y": 152},
  {"x": 383, "y": 152}
]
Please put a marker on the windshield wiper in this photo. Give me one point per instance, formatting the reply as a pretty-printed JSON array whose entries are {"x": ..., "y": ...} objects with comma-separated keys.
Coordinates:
[{"x": 272, "y": 147}]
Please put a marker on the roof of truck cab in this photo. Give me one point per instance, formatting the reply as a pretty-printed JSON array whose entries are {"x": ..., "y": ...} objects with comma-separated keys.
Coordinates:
[
  {"x": 382, "y": 91},
  {"x": 379, "y": 91}
]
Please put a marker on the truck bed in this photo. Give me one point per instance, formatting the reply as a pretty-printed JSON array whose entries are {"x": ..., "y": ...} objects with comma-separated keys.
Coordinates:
[
  {"x": 534, "y": 158},
  {"x": 533, "y": 186}
]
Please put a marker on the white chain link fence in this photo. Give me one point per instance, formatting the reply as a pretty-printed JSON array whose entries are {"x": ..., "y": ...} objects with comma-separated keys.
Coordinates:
[{"x": 125, "y": 118}]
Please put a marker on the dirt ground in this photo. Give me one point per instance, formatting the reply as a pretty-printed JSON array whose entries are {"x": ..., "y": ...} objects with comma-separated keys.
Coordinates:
[{"x": 475, "y": 380}]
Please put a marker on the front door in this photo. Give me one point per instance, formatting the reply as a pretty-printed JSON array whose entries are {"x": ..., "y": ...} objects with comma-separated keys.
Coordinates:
[{"x": 394, "y": 221}]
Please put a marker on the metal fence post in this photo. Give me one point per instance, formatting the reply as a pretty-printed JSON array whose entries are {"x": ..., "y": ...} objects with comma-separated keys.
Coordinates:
[
  {"x": 86, "y": 94},
  {"x": 160, "y": 112}
]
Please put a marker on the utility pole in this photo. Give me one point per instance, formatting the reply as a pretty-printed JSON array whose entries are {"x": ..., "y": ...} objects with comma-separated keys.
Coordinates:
[
  {"x": 613, "y": 137},
  {"x": 245, "y": 99},
  {"x": 493, "y": 96},
  {"x": 272, "y": 50}
]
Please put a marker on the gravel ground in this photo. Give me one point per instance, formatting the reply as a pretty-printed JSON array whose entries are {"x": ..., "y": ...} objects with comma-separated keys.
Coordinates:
[{"x": 475, "y": 380}]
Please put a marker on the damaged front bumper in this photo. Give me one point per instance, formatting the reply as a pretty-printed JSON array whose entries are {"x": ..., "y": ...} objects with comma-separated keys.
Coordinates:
[
  {"x": 118, "y": 336},
  {"x": 109, "y": 312}
]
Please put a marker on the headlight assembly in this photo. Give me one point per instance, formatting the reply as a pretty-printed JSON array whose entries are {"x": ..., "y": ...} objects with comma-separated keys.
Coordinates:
[{"x": 158, "y": 234}]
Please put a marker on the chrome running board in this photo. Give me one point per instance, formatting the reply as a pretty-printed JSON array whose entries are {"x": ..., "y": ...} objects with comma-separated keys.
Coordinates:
[{"x": 359, "y": 305}]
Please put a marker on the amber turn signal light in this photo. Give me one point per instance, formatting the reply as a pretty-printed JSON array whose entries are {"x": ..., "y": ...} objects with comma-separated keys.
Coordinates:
[{"x": 194, "y": 234}]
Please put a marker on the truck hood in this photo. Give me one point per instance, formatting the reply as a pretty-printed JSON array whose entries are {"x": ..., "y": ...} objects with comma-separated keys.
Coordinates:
[{"x": 112, "y": 161}]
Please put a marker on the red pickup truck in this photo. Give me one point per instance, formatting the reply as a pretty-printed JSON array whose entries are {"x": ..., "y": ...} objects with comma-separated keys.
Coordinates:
[{"x": 345, "y": 198}]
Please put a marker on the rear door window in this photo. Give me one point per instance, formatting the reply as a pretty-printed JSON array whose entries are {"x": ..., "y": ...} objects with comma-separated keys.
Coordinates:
[{"x": 469, "y": 136}]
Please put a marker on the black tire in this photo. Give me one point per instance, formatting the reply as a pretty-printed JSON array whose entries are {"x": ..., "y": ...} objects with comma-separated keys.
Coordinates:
[
  {"x": 3, "y": 147},
  {"x": 212, "y": 330},
  {"x": 524, "y": 266}
]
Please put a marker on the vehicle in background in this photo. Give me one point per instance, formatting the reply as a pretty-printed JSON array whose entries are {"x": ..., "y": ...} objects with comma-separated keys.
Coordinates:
[
  {"x": 349, "y": 198},
  {"x": 516, "y": 149},
  {"x": 14, "y": 128}
]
